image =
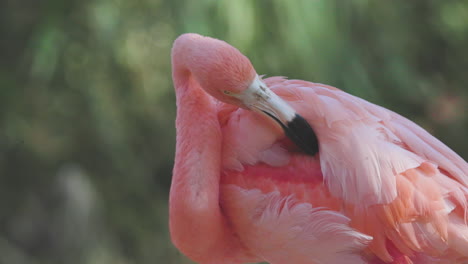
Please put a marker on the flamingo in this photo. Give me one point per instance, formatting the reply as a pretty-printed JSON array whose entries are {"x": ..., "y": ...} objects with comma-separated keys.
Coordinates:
[{"x": 290, "y": 171}]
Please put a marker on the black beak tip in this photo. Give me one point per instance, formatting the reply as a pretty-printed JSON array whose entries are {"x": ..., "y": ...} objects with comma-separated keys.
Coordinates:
[{"x": 302, "y": 134}]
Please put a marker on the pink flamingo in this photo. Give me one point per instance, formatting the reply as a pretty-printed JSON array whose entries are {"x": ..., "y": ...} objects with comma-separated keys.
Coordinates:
[{"x": 350, "y": 182}]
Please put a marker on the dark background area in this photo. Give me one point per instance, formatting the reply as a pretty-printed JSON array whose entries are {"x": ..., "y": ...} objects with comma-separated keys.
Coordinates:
[{"x": 87, "y": 106}]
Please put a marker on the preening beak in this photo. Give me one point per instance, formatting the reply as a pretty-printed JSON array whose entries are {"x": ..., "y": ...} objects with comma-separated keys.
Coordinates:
[{"x": 260, "y": 98}]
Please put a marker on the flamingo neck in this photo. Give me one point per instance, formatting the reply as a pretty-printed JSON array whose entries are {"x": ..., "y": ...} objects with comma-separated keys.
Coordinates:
[{"x": 197, "y": 225}]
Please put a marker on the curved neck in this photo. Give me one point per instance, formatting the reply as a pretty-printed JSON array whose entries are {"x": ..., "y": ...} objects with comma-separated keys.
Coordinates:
[{"x": 197, "y": 225}]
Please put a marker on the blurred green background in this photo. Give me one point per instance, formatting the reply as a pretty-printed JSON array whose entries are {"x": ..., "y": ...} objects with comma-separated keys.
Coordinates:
[{"x": 87, "y": 106}]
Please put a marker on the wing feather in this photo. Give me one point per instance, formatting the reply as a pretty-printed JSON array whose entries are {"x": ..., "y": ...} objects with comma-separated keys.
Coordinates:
[{"x": 398, "y": 182}]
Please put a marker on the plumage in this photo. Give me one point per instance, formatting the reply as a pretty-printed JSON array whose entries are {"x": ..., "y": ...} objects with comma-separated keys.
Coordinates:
[{"x": 380, "y": 190}]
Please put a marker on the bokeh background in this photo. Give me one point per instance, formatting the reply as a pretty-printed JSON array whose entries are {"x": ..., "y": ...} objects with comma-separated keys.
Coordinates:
[{"x": 87, "y": 106}]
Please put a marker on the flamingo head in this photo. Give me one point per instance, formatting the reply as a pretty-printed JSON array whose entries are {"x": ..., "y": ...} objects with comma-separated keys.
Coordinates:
[{"x": 227, "y": 75}]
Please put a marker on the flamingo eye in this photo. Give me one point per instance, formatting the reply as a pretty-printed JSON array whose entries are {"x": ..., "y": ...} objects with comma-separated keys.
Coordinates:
[{"x": 227, "y": 92}]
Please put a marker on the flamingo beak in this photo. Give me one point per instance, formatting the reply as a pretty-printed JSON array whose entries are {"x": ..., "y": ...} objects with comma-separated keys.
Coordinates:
[{"x": 258, "y": 97}]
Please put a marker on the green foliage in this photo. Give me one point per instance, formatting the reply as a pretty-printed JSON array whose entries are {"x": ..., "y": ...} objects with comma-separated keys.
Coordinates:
[{"x": 87, "y": 105}]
